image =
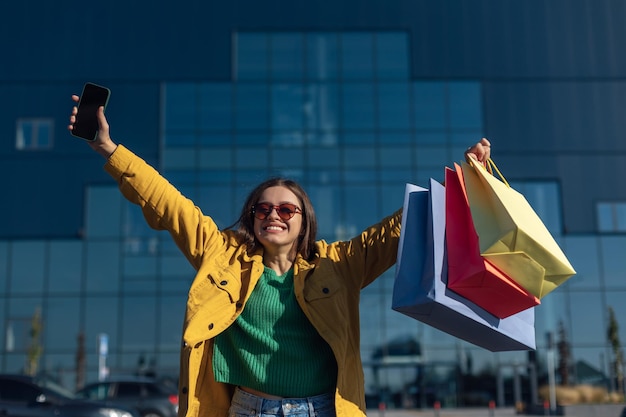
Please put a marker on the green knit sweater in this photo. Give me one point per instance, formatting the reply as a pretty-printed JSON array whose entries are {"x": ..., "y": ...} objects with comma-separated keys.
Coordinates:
[{"x": 272, "y": 347}]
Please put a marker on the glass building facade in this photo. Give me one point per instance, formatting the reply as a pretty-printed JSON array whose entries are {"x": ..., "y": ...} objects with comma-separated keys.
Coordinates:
[{"x": 347, "y": 114}]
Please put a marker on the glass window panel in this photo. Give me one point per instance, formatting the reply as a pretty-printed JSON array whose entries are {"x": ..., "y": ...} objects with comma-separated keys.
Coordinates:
[
  {"x": 613, "y": 261},
  {"x": 323, "y": 157},
  {"x": 357, "y": 106},
  {"x": 615, "y": 300},
  {"x": 396, "y": 157},
  {"x": 101, "y": 317},
  {"x": 588, "y": 328},
  {"x": 326, "y": 201},
  {"x": 175, "y": 139},
  {"x": 594, "y": 359},
  {"x": 102, "y": 271},
  {"x": 287, "y": 56},
  {"x": 215, "y": 176},
  {"x": 287, "y": 107},
  {"x": 145, "y": 285},
  {"x": 321, "y": 106},
  {"x": 359, "y": 157},
  {"x": 66, "y": 260},
  {"x": 395, "y": 138},
  {"x": 287, "y": 158},
  {"x": 431, "y": 157},
  {"x": 423, "y": 175},
  {"x": 465, "y": 105},
  {"x": 34, "y": 134},
  {"x": 430, "y": 105},
  {"x": 179, "y": 106},
  {"x": 324, "y": 176},
  {"x": 20, "y": 313},
  {"x": 252, "y": 55},
  {"x": 251, "y": 138},
  {"x": 392, "y": 197},
  {"x": 103, "y": 212},
  {"x": 175, "y": 265},
  {"x": 179, "y": 158},
  {"x": 577, "y": 249},
  {"x": 139, "y": 266},
  {"x": 393, "y": 175},
  {"x": 4, "y": 266},
  {"x": 357, "y": 58},
  {"x": 216, "y": 158},
  {"x": 139, "y": 324},
  {"x": 252, "y": 106},
  {"x": 176, "y": 284},
  {"x": 171, "y": 312},
  {"x": 28, "y": 266},
  {"x": 218, "y": 202},
  {"x": 604, "y": 212},
  {"x": 431, "y": 138},
  {"x": 215, "y": 139},
  {"x": 327, "y": 139},
  {"x": 611, "y": 216},
  {"x": 393, "y": 106},
  {"x": 392, "y": 56},
  {"x": 289, "y": 139},
  {"x": 358, "y": 138},
  {"x": 62, "y": 323},
  {"x": 360, "y": 208},
  {"x": 251, "y": 158},
  {"x": 545, "y": 199},
  {"x": 215, "y": 106},
  {"x": 322, "y": 56},
  {"x": 359, "y": 176}
]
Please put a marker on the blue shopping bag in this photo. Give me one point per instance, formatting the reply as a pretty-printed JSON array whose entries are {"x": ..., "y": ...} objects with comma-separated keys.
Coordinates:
[{"x": 420, "y": 289}]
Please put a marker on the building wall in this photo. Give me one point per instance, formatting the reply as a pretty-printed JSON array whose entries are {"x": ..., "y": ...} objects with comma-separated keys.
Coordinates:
[{"x": 542, "y": 80}]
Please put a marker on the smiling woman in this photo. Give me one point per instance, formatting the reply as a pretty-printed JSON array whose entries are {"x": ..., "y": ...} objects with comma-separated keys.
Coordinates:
[{"x": 272, "y": 320}]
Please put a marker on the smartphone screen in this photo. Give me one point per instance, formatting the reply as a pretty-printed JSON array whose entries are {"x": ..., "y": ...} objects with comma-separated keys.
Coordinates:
[{"x": 92, "y": 97}]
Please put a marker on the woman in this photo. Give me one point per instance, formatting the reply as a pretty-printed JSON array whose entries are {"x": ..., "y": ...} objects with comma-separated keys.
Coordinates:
[{"x": 272, "y": 320}]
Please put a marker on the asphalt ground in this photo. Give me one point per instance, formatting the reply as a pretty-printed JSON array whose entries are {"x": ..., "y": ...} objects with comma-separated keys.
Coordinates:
[{"x": 446, "y": 412}]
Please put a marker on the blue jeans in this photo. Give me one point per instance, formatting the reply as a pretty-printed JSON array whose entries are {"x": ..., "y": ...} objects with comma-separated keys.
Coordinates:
[{"x": 245, "y": 404}]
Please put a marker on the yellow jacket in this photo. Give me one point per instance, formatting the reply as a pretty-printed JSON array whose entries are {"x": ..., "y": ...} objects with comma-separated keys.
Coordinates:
[{"x": 327, "y": 288}]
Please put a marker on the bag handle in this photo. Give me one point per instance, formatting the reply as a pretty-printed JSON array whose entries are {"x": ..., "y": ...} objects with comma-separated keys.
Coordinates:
[{"x": 490, "y": 166}]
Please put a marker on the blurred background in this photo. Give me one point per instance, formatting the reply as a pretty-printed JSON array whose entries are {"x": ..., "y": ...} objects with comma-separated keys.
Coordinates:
[{"x": 351, "y": 98}]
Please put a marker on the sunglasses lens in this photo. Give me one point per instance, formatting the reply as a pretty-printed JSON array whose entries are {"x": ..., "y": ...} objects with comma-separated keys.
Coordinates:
[
  {"x": 286, "y": 211},
  {"x": 262, "y": 210}
]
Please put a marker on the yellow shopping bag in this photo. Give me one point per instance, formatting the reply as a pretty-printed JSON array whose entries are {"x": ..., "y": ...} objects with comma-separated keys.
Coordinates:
[{"x": 511, "y": 235}]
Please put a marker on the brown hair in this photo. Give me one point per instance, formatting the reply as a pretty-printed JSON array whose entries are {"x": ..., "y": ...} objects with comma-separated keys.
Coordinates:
[{"x": 245, "y": 224}]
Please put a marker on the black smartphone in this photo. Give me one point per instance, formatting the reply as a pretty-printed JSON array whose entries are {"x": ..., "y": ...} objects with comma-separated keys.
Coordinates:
[{"x": 92, "y": 97}]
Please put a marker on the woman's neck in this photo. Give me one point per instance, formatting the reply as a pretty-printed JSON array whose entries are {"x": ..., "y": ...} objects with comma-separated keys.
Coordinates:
[{"x": 279, "y": 262}]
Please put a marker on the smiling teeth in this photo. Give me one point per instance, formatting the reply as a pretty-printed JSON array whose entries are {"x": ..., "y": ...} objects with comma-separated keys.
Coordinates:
[{"x": 273, "y": 228}]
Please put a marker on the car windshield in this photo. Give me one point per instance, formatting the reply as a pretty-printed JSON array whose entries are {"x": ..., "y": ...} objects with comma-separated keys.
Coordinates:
[{"x": 55, "y": 388}]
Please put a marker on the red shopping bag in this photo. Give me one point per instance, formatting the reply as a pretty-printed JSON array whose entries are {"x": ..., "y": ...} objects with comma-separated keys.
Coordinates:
[{"x": 469, "y": 274}]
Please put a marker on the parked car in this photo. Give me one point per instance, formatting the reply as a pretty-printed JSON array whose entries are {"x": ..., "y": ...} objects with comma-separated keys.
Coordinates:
[
  {"x": 25, "y": 396},
  {"x": 149, "y": 396}
]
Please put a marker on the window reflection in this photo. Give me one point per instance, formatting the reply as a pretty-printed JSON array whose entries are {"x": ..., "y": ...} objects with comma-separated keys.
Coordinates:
[{"x": 27, "y": 267}]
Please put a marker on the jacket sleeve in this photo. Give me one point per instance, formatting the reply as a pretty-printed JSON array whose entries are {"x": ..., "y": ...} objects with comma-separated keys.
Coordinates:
[
  {"x": 369, "y": 254},
  {"x": 164, "y": 207}
]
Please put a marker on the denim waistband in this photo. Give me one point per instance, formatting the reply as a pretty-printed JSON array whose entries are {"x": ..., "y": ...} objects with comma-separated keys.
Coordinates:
[{"x": 319, "y": 405}]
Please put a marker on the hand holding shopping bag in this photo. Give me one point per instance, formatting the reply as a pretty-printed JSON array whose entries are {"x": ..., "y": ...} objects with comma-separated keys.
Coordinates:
[
  {"x": 512, "y": 236},
  {"x": 421, "y": 274}
]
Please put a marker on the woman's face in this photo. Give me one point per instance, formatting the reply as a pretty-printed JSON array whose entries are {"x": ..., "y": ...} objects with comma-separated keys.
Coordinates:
[{"x": 275, "y": 233}]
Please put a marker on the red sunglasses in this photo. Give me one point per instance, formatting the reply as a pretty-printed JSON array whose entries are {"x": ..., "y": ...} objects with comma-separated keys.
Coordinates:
[{"x": 285, "y": 210}]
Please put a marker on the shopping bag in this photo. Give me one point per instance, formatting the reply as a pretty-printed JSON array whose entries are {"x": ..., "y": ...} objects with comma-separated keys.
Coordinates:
[
  {"x": 511, "y": 235},
  {"x": 420, "y": 281},
  {"x": 469, "y": 274}
]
